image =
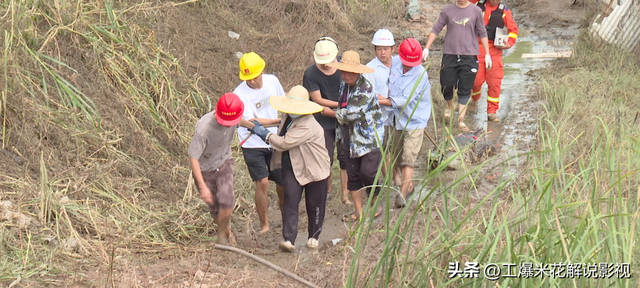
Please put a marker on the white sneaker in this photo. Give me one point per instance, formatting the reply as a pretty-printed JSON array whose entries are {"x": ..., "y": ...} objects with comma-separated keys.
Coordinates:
[
  {"x": 286, "y": 246},
  {"x": 312, "y": 243}
]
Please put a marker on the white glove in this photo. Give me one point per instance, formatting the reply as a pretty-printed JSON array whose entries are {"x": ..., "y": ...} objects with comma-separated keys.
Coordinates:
[
  {"x": 487, "y": 62},
  {"x": 425, "y": 54}
]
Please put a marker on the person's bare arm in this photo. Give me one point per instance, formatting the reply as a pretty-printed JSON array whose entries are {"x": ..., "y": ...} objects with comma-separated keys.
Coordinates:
[
  {"x": 246, "y": 124},
  {"x": 205, "y": 193},
  {"x": 265, "y": 121},
  {"x": 316, "y": 96},
  {"x": 328, "y": 112}
]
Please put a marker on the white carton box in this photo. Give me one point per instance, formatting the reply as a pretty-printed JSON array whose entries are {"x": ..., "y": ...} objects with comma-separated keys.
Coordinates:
[{"x": 502, "y": 36}]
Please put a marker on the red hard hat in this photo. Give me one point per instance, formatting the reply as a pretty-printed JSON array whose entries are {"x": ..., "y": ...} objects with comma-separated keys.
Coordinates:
[
  {"x": 410, "y": 52},
  {"x": 229, "y": 109}
]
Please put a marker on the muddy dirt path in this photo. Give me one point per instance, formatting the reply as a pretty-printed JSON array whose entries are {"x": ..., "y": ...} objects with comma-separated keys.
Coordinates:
[
  {"x": 513, "y": 136},
  {"x": 545, "y": 26}
]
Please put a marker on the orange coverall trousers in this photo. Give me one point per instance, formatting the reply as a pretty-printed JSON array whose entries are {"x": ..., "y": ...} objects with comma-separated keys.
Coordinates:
[{"x": 493, "y": 77}]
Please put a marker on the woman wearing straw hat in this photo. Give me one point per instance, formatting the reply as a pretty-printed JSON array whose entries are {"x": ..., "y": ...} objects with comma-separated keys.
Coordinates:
[
  {"x": 361, "y": 129},
  {"x": 299, "y": 149}
]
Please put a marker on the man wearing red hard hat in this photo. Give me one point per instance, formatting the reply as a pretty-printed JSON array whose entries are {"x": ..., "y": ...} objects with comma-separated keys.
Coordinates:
[
  {"x": 410, "y": 96},
  {"x": 212, "y": 163}
]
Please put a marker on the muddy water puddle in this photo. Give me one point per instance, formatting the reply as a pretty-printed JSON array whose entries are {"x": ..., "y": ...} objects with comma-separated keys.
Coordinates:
[
  {"x": 518, "y": 110},
  {"x": 515, "y": 134}
]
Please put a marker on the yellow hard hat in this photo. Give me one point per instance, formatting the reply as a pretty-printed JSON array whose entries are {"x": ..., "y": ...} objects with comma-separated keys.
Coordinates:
[{"x": 251, "y": 65}]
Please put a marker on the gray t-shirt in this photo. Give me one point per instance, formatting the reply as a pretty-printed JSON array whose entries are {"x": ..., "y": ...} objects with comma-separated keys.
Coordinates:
[
  {"x": 464, "y": 25},
  {"x": 211, "y": 144}
]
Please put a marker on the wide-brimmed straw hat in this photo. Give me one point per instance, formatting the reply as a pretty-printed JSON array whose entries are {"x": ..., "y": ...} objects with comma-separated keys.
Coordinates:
[
  {"x": 296, "y": 102},
  {"x": 350, "y": 62}
]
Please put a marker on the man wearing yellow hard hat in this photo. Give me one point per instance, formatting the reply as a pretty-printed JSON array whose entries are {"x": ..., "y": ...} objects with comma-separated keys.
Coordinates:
[{"x": 255, "y": 91}]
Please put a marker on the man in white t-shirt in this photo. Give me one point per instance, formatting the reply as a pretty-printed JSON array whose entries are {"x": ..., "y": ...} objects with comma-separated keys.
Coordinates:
[{"x": 255, "y": 91}]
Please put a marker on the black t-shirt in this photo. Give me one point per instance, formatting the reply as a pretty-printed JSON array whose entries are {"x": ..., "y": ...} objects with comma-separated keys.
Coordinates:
[{"x": 329, "y": 87}]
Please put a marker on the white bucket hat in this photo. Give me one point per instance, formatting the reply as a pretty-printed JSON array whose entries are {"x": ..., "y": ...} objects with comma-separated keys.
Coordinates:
[
  {"x": 325, "y": 51},
  {"x": 383, "y": 37}
]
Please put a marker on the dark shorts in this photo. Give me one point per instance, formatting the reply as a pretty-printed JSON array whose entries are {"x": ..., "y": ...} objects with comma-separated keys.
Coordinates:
[
  {"x": 458, "y": 72},
  {"x": 259, "y": 163},
  {"x": 362, "y": 171},
  {"x": 220, "y": 183},
  {"x": 330, "y": 144}
]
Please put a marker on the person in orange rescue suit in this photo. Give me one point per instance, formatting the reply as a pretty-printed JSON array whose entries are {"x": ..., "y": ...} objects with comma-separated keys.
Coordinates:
[{"x": 496, "y": 15}]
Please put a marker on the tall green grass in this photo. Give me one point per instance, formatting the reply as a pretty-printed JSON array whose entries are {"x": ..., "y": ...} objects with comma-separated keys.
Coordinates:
[{"x": 576, "y": 201}]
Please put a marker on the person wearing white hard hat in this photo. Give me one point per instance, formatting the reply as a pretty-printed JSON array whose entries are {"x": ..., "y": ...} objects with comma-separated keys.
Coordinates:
[
  {"x": 323, "y": 82},
  {"x": 459, "y": 53},
  {"x": 384, "y": 45}
]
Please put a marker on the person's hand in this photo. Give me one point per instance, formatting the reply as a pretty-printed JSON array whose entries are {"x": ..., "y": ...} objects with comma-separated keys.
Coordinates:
[
  {"x": 503, "y": 47},
  {"x": 254, "y": 122},
  {"x": 487, "y": 62},
  {"x": 425, "y": 54},
  {"x": 325, "y": 111},
  {"x": 206, "y": 195},
  {"x": 260, "y": 131}
]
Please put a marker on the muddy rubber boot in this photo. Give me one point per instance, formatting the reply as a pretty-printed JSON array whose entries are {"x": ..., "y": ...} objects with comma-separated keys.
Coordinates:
[{"x": 493, "y": 117}]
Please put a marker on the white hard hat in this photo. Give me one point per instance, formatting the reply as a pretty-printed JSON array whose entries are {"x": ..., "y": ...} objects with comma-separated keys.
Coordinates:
[{"x": 383, "y": 37}]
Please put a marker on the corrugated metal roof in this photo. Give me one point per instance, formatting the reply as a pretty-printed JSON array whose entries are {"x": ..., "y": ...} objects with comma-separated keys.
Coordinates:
[{"x": 621, "y": 26}]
